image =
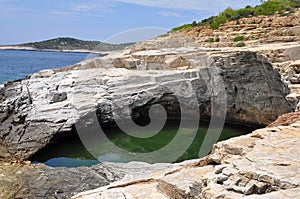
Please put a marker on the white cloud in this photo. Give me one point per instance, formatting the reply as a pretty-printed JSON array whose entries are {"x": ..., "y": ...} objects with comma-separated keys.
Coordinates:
[
  {"x": 197, "y": 5},
  {"x": 102, "y": 6},
  {"x": 81, "y": 8},
  {"x": 68, "y": 13},
  {"x": 169, "y": 14},
  {"x": 90, "y": 8}
]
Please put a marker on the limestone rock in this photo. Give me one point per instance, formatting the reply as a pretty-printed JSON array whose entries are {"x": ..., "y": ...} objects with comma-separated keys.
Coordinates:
[
  {"x": 257, "y": 170},
  {"x": 296, "y": 66},
  {"x": 59, "y": 97},
  {"x": 47, "y": 105},
  {"x": 286, "y": 120},
  {"x": 294, "y": 80},
  {"x": 21, "y": 180},
  {"x": 34, "y": 112}
]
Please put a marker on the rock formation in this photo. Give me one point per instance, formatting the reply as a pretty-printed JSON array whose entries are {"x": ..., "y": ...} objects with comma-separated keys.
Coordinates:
[
  {"x": 46, "y": 106},
  {"x": 250, "y": 166},
  {"x": 23, "y": 180}
]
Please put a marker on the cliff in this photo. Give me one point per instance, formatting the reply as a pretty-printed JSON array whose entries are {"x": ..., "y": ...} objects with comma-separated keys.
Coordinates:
[{"x": 243, "y": 84}]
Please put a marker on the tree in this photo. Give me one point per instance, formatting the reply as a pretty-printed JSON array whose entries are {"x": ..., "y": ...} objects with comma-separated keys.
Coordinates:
[{"x": 194, "y": 24}]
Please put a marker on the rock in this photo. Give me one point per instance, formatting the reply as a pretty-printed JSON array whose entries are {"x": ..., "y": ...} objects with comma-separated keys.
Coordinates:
[
  {"x": 45, "y": 73},
  {"x": 47, "y": 106},
  {"x": 259, "y": 171},
  {"x": 290, "y": 193},
  {"x": 59, "y": 97},
  {"x": 254, "y": 92},
  {"x": 257, "y": 31},
  {"x": 295, "y": 80},
  {"x": 296, "y": 66},
  {"x": 286, "y": 119},
  {"x": 178, "y": 62},
  {"x": 20, "y": 180},
  {"x": 129, "y": 63}
]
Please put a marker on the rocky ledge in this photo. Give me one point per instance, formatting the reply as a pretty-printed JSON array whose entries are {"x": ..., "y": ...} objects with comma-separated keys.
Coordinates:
[
  {"x": 24, "y": 180},
  {"x": 263, "y": 164},
  {"x": 46, "y": 107}
]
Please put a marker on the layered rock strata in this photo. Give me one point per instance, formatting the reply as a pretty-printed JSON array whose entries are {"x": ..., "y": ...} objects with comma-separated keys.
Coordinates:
[
  {"x": 45, "y": 108},
  {"x": 263, "y": 164}
]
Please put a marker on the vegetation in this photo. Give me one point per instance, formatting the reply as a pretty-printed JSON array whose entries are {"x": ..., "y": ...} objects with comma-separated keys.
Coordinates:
[
  {"x": 238, "y": 38},
  {"x": 212, "y": 40},
  {"x": 183, "y": 27},
  {"x": 240, "y": 44},
  {"x": 267, "y": 7},
  {"x": 66, "y": 43}
]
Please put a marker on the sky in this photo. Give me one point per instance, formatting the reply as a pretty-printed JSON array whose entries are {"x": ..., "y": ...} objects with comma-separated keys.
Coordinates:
[{"x": 102, "y": 20}]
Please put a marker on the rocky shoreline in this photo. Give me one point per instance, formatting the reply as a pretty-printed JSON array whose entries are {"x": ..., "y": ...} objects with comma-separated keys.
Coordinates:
[
  {"x": 263, "y": 164},
  {"x": 46, "y": 107},
  {"x": 250, "y": 166},
  {"x": 42, "y": 103},
  {"x": 52, "y": 50},
  {"x": 54, "y": 101}
]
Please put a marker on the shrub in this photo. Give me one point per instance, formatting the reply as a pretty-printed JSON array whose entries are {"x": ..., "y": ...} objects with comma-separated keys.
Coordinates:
[
  {"x": 245, "y": 12},
  {"x": 240, "y": 44},
  {"x": 211, "y": 40},
  {"x": 268, "y": 7},
  {"x": 183, "y": 27},
  {"x": 218, "y": 21},
  {"x": 238, "y": 38},
  {"x": 194, "y": 24},
  {"x": 272, "y": 6}
]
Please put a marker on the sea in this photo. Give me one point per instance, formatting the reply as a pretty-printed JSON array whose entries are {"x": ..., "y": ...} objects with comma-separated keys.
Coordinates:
[{"x": 17, "y": 64}]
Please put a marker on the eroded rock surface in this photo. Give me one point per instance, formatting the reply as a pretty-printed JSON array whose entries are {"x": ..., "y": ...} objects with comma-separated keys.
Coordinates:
[
  {"x": 256, "y": 31},
  {"x": 263, "y": 164},
  {"x": 22, "y": 180},
  {"x": 42, "y": 109}
]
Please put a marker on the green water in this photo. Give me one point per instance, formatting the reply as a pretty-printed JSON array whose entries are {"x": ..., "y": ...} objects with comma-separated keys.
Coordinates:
[{"x": 72, "y": 153}]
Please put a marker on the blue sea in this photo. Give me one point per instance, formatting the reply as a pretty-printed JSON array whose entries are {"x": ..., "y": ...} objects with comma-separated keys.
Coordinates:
[{"x": 17, "y": 64}]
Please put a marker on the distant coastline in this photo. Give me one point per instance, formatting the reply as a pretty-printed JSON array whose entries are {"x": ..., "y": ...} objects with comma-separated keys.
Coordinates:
[
  {"x": 67, "y": 44},
  {"x": 53, "y": 50}
]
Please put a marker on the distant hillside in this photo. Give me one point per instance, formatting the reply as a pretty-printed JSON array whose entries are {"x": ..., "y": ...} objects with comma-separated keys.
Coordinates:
[{"x": 66, "y": 43}]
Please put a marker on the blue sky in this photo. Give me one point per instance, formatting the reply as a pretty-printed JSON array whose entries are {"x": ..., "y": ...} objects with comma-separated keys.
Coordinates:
[{"x": 35, "y": 20}]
